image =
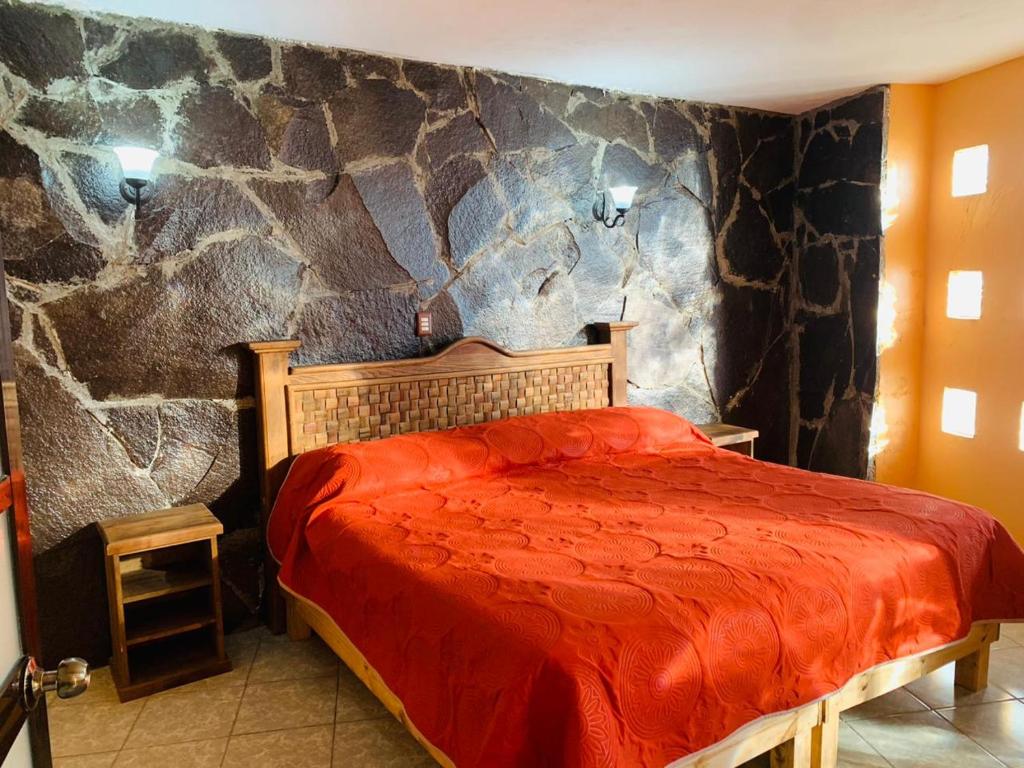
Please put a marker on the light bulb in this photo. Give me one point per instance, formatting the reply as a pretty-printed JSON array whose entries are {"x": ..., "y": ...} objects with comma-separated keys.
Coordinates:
[
  {"x": 136, "y": 162},
  {"x": 622, "y": 197}
]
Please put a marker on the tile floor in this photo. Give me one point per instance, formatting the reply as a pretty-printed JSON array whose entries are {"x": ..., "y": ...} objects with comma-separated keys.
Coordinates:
[{"x": 292, "y": 704}]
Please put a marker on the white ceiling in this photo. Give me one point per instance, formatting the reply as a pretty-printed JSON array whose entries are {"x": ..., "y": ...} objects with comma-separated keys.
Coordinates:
[{"x": 786, "y": 55}]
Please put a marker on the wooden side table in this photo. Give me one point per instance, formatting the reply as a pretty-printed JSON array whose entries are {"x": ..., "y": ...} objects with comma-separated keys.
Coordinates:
[
  {"x": 163, "y": 589},
  {"x": 739, "y": 439}
]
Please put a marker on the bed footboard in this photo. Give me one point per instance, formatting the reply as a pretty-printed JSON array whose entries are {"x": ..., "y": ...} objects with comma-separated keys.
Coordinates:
[{"x": 971, "y": 656}]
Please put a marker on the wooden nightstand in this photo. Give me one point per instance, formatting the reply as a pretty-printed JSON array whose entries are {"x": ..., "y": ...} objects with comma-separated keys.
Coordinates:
[
  {"x": 739, "y": 439},
  {"x": 163, "y": 588}
]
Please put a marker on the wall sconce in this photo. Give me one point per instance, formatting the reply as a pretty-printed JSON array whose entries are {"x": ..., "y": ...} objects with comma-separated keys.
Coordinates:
[
  {"x": 137, "y": 167},
  {"x": 622, "y": 199}
]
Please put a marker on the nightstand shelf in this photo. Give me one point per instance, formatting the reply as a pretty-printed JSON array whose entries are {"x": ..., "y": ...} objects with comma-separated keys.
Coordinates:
[
  {"x": 163, "y": 588},
  {"x": 738, "y": 439},
  {"x": 156, "y": 621},
  {"x": 149, "y": 583}
]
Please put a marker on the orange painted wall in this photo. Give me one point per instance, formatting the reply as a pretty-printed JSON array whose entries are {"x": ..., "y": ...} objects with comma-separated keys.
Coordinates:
[
  {"x": 905, "y": 218},
  {"x": 980, "y": 232}
]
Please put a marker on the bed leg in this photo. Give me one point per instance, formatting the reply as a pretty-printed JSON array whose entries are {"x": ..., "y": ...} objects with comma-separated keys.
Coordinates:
[
  {"x": 825, "y": 739},
  {"x": 972, "y": 670},
  {"x": 795, "y": 753},
  {"x": 298, "y": 629}
]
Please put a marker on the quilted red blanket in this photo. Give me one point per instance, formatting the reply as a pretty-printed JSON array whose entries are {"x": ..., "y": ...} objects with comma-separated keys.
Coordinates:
[{"x": 606, "y": 588}]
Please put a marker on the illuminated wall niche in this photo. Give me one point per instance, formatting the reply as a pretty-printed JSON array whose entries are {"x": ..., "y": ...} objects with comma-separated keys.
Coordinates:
[{"x": 959, "y": 409}]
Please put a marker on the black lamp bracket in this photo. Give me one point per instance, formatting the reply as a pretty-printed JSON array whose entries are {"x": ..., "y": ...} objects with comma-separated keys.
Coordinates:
[
  {"x": 600, "y": 212},
  {"x": 136, "y": 192}
]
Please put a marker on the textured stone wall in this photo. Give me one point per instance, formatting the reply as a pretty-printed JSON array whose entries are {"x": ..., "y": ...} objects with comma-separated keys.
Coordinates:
[
  {"x": 328, "y": 195},
  {"x": 840, "y": 158}
]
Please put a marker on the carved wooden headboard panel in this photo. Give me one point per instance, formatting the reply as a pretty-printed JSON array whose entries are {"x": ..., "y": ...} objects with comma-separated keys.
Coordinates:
[
  {"x": 320, "y": 415},
  {"x": 471, "y": 381}
]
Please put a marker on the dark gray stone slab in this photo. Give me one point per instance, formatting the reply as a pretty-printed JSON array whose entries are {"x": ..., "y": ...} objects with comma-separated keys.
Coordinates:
[
  {"x": 474, "y": 221},
  {"x": 97, "y": 183},
  {"x": 216, "y": 129},
  {"x": 376, "y": 118},
  {"x": 750, "y": 246},
  {"x": 155, "y": 58},
  {"x": 184, "y": 211},
  {"x": 337, "y": 234},
  {"x": 843, "y": 208},
  {"x": 312, "y": 73},
  {"x": 618, "y": 121},
  {"x": 771, "y": 164},
  {"x": 848, "y": 425},
  {"x": 826, "y": 361},
  {"x": 45, "y": 239},
  {"x": 362, "y": 325},
  {"x": 73, "y": 118},
  {"x": 521, "y": 296},
  {"x": 445, "y": 187},
  {"x": 463, "y": 135},
  {"x": 40, "y": 44},
  {"x": 868, "y": 107},
  {"x": 193, "y": 433},
  {"x": 72, "y": 468},
  {"x": 674, "y": 134},
  {"x": 864, "y": 290},
  {"x": 442, "y": 86},
  {"x": 137, "y": 428},
  {"x": 179, "y": 334},
  {"x": 759, "y": 316},
  {"x": 676, "y": 243},
  {"x": 819, "y": 274},
  {"x": 397, "y": 208},
  {"x": 516, "y": 120},
  {"x": 306, "y": 141},
  {"x": 249, "y": 57}
]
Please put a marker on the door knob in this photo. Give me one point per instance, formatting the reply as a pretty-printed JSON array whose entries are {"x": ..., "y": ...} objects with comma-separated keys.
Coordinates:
[{"x": 70, "y": 679}]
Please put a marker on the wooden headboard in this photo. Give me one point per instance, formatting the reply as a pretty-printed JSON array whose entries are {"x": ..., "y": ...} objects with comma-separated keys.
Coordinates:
[{"x": 471, "y": 381}]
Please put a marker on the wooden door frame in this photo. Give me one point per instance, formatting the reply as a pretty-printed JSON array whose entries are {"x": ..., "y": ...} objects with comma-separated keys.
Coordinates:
[{"x": 14, "y": 496}]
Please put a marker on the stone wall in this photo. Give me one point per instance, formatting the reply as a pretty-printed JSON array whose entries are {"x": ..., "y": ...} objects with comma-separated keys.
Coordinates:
[
  {"x": 840, "y": 160},
  {"x": 327, "y": 195}
]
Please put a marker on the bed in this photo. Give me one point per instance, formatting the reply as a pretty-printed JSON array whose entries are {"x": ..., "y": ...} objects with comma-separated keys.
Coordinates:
[{"x": 562, "y": 580}]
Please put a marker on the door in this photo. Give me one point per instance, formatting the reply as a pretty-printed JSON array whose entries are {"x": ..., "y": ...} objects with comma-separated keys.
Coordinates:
[{"x": 22, "y": 698}]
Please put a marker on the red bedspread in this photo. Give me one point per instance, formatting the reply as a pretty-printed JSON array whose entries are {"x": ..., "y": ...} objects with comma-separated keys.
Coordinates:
[{"x": 605, "y": 588}]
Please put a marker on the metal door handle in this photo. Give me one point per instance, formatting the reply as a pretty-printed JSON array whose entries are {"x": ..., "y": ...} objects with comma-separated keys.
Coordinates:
[{"x": 70, "y": 679}]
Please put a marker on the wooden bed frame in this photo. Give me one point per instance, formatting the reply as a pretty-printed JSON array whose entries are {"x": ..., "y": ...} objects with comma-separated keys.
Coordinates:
[{"x": 473, "y": 381}]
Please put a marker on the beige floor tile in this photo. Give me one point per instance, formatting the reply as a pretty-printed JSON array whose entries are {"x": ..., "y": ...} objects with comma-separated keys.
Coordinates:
[
  {"x": 101, "y": 690},
  {"x": 355, "y": 702},
  {"x": 279, "y": 658},
  {"x": 855, "y": 752},
  {"x": 998, "y": 727},
  {"x": 194, "y": 754},
  {"x": 1014, "y": 632},
  {"x": 1006, "y": 670},
  {"x": 190, "y": 716},
  {"x": 287, "y": 704},
  {"x": 898, "y": 702},
  {"x": 938, "y": 692},
  {"x": 378, "y": 744},
  {"x": 1004, "y": 642},
  {"x": 922, "y": 740},
  {"x": 293, "y": 748},
  {"x": 91, "y": 728},
  {"x": 104, "y": 760}
]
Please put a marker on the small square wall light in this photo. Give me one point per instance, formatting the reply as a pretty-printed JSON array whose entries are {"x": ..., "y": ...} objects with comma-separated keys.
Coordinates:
[
  {"x": 963, "y": 295},
  {"x": 970, "y": 171},
  {"x": 959, "y": 409}
]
